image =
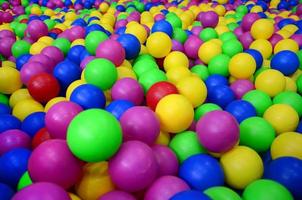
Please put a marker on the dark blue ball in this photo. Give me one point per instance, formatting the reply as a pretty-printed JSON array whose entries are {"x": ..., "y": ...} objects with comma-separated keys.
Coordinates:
[
  {"x": 214, "y": 80},
  {"x": 256, "y": 55},
  {"x": 190, "y": 195},
  {"x": 79, "y": 22},
  {"x": 241, "y": 110},
  {"x": 283, "y": 5},
  {"x": 285, "y": 22},
  {"x": 21, "y": 60},
  {"x": 148, "y": 6},
  {"x": 120, "y": 8},
  {"x": 52, "y": 35},
  {"x": 162, "y": 26},
  {"x": 131, "y": 45},
  {"x": 120, "y": 30},
  {"x": 221, "y": 95},
  {"x": 84, "y": 54},
  {"x": 118, "y": 107},
  {"x": 6, "y": 192},
  {"x": 8, "y": 122},
  {"x": 5, "y": 109},
  {"x": 74, "y": 53},
  {"x": 201, "y": 172},
  {"x": 92, "y": 18},
  {"x": 33, "y": 123},
  {"x": 287, "y": 62},
  {"x": 93, "y": 27},
  {"x": 299, "y": 128}
]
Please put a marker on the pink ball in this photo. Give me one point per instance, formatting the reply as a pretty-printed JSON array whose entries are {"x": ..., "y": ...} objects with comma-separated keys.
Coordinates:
[
  {"x": 165, "y": 187},
  {"x": 166, "y": 159},
  {"x": 196, "y": 30},
  {"x": 177, "y": 46},
  {"x": 59, "y": 117},
  {"x": 159, "y": 17},
  {"x": 246, "y": 40},
  {"x": 76, "y": 32},
  {"x": 6, "y": 45},
  {"x": 7, "y": 17},
  {"x": 134, "y": 16},
  {"x": 46, "y": 61},
  {"x": 52, "y": 161},
  {"x": 12, "y": 139},
  {"x": 248, "y": 20},
  {"x": 30, "y": 69},
  {"x": 37, "y": 29},
  {"x": 208, "y": 19},
  {"x": 54, "y": 53},
  {"x": 238, "y": 31},
  {"x": 240, "y": 87},
  {"x": 42, "y": 190},
  {"x": 117, "y": 195},
  {"x": 111, "y": 50},
  {"x": 128, "y": 89},
  {"x": 298, "y": 39},
  {"x": 140, "y": 123},
  {"x": 121, "y": 23},
  {"x": 218, "y": 131},
  {"x": 275, "y": 39},
  {"x": 192, "y": 45},
  {"x": 134, "y": 167},
  {"x": 86, "y": 60},
  {"x": 7, "y": 34}
]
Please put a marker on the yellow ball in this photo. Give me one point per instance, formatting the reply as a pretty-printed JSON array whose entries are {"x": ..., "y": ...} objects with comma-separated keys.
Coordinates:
[
  {"x": 256, "y": 9},
  {"x": 8, "y": 63},
  {"x": 177, "y": 73},
  {"x": 127, "y": 64},
  {"x": 124, "y": 72},
  {"x": 54, "y": 101},
  {"x": 95, "y": 182},
  {"x": 72, "y": 87},
  {"x": 78, "y": 42},
  {"x": 282, "y": 117},
  {"x": 10, "y": 80},
  {"x": 103, "y": 7},
  {"x": 222, "y": 1},
  {"x": 286, "y": 44},
  {"x": 26, "y": 107},
  {"x": 220, "y": 10},
  {"x": 271, "y": 82},
  {"x": 139, "y": 31},
  {"x": 296, "y": 75},
  {"x": 287, "y": 144},
  {"x": 175, "y": 59},
  {"x": 263, "y": 46},
  {"x": 241, "y": 165},
  {"x": 70, "y": 16},
  {"x": 290, "y": 85},
  {"x": 163, "y": 138},
  {"x": 144, "y": 50},
  {"x": 37, "y": 47},
  {"x": 159, "y": 44},
  {"x": 74, "y": 197},
  {"x": 19, "y": 95},
  {"x": 35, "y": 10},
  {"x": 208, "y": 50},
  {"x": 46, "y": 40},
  {"x": 194, "y": 89},
  {"x": 242, "y": 66},
  {"x": 175, "y": 113}
]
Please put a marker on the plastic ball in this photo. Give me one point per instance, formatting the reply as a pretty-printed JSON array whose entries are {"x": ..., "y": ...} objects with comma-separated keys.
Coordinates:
[
  {"x": 287, "y": 62},
  {"x": 74, "y": 53},
  {"x": 216, "y": 80},
  {"x": 117, "y": 195},
  {"x": 242, "y": 66},
  {"x": 91, "y": 148},
  {"x": 53, "y": 52},
  {"x": 5, "y": 109},
  {"x": 204, "y": 109},
  {"x": 20, "y": 47},
  {"x": 208, "y": 19},
  {"x": 37, "y": 29},
  {"x": 12, "y": 139},
  {"x": 131, "y": 45},
  {"x": 241, "y": 166},
  {"x": 257, "y": 56},
  {"x": 175, "y": 59},
  {"x": 290, "y": 98},
  {"x": 190, "y": 194},
  {"x": 221, "y": 95},
  {"x": 123, "y": 167},
  {"x": 93, "y": 39},
  {"x": 10, "y": 79},
  {"x": 192, "y": 45},
  {"x": 8, "y": 122},
  {"x": 119, "y": 107},
  {"x": 286, "y": 44},
  {"x": 6, "y": 192},
  {"x": 241, "y": 110},
  {"x": 260, "y": 100},
  {"x": 162, "y": 26},
  {"x": 100, "y": 67},
  {"x": 26, "y": 107},
  {"x": 219, "y": 65},
  {"x": 175, "y": 74},
  {"x": 24, "y": 181},
  {"x": 241, "y": 87},
  {"x": 151, "y": 77},
  {"x": 248, "y": 20},
  {"x": 262, "y": 29},
  {"x": 111, "y": 50},
  {"x": 263, "y": 46},
  {"x": 232, "y": 47},
  {"x": 221, "y": 193},
  {"x": 208, "y": 34},
  {"x": 209, "y": 50},
  {"x": 159, "y": 44},
  {"x": 166, "y": 159},
  {"x": 33, "y": 123},
  {"x": 142, "y": 65}
]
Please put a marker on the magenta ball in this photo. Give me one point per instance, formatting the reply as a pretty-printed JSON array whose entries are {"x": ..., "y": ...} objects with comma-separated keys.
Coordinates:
[
  {"x": 208, "y": 19},
  {"x": 240, "y": 87},
  {"x": 12, "y": 139},
  {"x": 6, "y": 34},
  {"x": 117, "y": 195},
  {"x": 159, "y": 17},
  {"x": 31, "y": 69},
  {"x": 46, "y": 61},
  {"x": 37, "y": 29},
  {"x": 54, "y": 53},
  {"x": 248, "y": 20},
  {"x": 238, "y": 31},
  {"x": 299, "y": 9},
  {"x": 166, "y": 159},
  {"x": 7, "y": 17},
  {"x": 76, "y": 32},
  {"x": 246, "y": 39},
  {"x": 140, "y": 123},
  {"x": 177, "y": 46},
  {"x": 218, "y": 131},
  {"x": 111, "y": 50},
  {"x": 52, "y": 161},
  {"x": 121, "y": 23},
  {"x": 85, "y": 61},
  {"x": 192, "y": 45},
  {"x": 42, "y": 190},
  {"x": 275, "y": 39},
  {"x": 128, "y": 89},
  {"x": 298, "y": 39},
  {"x": 6, "y": 45},
  {"x": 134, "y": 167},
  {"x": 165, "y": 187},
  {"x": 196, "y": 30}
]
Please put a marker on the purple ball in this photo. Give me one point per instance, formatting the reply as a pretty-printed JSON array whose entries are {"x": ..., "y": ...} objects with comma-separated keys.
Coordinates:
[
  {"x": 121, "y": 23},
  {"x": 54, "y": 53},
  {"x": 299, "y": 9},
  {"x": 18, "y": 10},
  {"x": 37, "y": 29},
  {"x": 246, "y": 40},
  {"x": 298, "y": 39},
  {"x": 166, "y": 159},
  {"x": 248, "y": 20},
  {"x": 31, "y": 69},
  {"x": 128, "y": 89},
  {"x": 6, "y": 45},
  {"x": 196, "y": 30},
  {"x": 165, "y": 187},
  {"x": 275, "y": 39},
  {"x": 42, "y": 190},
  {"x": 52, "y": 161},
  {"x": 111, "y": 50},
  {"x": 240, "y": 87},
  {"x": 7, "y": 34},
  {"x": 117, "y": 195},
  {"x": 46, "y": 61},
  {"x": 76, "y": 32},
  {"x": 208, "y": 19},
  {"x": 238, "y": 31},
  {"x": 218, "y": 131},
  {"x": 7, "y": 17},
  {"x": 12, "y": 139},
  {"x": 134, "y": 167},
  {"x": 177, "y": 46},
  {"x": 59, "y": 117},
  {"x": 134, "y": 16},
  {"x": 192, "y": 45}
]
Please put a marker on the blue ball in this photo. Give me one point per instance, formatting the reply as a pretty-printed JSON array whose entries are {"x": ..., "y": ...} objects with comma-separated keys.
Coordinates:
[
  {"x": 221, "y": 95},
  {"x": 257, "y": 56},
  {"x": 216, "y": 80},
  {"x": 131, "y": 45},
  {"x": 88, "y": 96},
  {"x": 84, "y": 54},
  {"x": 13, "y": 164},
  {"x": 118, "y": 107},
  {"x": 93, "y": 27},
  {"x": 52, "y": 35},
  {"x": 33, "y": 123},
  {"x": 293, "y": 2},
  {"x": 120, "y": 30},
  {"x": 66, "y": 72},
  {"x": 201, "y": 172},
  {"x": 74, "y": 53},
  {"x": 288, "y": 172},
  {"x": 287, "y": 62},
  {"x": 92, "y": 18},
  {"x": 5, "y": 109},
  {"x": 8, "y": 122},
  {"x": 285, "y": 22},
  {"x": 283, "y": 5},
  {"x": 190, "y": 195},
  {"x": 148, "y": 6},
  {"x": 120, "y": 8},
  {"x": 21, "y": 60},
  {"x": 162, "y": 26},
  {"x": 241, "y": 110},
  {"x": 6, "y": 192},
  {"x": 299, "y": 128},
  {"x": 79, "y": 22}
]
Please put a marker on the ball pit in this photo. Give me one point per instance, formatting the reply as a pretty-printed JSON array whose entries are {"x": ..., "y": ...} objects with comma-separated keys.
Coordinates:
[{"x": 150, "y": 99}]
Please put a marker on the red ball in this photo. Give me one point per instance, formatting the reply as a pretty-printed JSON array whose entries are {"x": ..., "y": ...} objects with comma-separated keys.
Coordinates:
[
  {"x": 43, "y": 87},
  {"x": 41, "y": 136},
  {"x": 158, "y": 91}
]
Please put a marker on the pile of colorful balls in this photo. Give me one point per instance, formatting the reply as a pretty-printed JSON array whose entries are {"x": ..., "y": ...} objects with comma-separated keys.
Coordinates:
[{"x": 150, "y": 100}]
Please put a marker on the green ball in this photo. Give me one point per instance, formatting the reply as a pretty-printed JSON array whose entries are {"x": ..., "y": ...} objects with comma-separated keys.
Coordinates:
[
  {"x": 232, "y": 47},
  {"x": 122, "y": 16},
  {"x": 299, "y": 54},
  {"x": 208, "y": 34},
  {"x": 151, "y": 77},
  {"x": 180, "y": 35},
  {"x": 20, "y": 47},
  {"x": 20, "y": 29},
  {"x": 94, "y": 135},
  {"x": 63, "y": 44},
  {"x": 299, "y": 84},
  {"x": 93, "y": 39},
  {"x": 260, "y": 100},
  {"x": 4, "y": 99},
  {"x": 24, "y": 3},
  {"x": 13, "y": 25},
  {"x": 144, "y": 65},
  {"x": 227, "y": 36},
  {"x": 257, "y": 133},
  {"x": 144, "y": 57},
  {"x": 239, "y": 16},
  {"x": 201, "y": 71},
  {"x": 186, "y": 144},
  {"x": 242, "y": 9},
  {"x": 219, "y": 65},
  {"x": 140, "y": 7},
  {"x": 130, "y": 10},
  {"x": 50, "y": 23},
  {"x": 290, "y": 98},
  {"x": 27, "y": 9},
  {"x": 222, "y": 193},
  {"x": 196, "y": 23},
  {"x": 265, "y": 189},
  {"x": 101, "y": 73},
  {"x": 174, "y": 20},
  {"x": 260, "y": 70},
  {"x": 24, "y": 181},
  {"x": 204, "y": 109},
  {"x": 232, "y": 26}
]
